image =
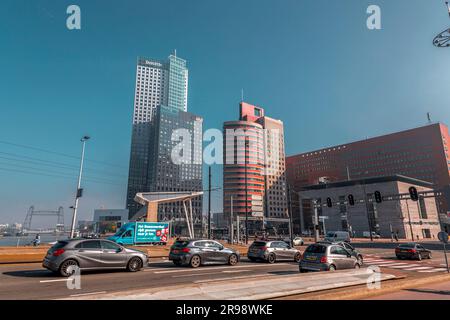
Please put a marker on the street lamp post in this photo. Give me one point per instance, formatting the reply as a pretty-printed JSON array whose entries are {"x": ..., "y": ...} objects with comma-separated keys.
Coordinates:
[{"x": 79, "y": 190}]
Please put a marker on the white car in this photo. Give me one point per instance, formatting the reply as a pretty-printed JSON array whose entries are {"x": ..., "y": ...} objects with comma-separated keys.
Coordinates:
[{"x": 298, "y": 241}]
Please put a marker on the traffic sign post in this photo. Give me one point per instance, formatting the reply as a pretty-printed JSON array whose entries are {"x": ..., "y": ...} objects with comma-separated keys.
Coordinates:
[{"x": 443, "y": 236}]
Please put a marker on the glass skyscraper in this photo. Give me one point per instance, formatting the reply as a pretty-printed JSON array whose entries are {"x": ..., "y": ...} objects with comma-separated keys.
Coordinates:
[{"x": 160, "y": 107}]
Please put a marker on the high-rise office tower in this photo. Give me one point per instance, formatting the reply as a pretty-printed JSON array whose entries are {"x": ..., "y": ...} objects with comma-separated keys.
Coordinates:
[
  {"x": 160, "y": 107},
  {"x": 254, "y": 166}
]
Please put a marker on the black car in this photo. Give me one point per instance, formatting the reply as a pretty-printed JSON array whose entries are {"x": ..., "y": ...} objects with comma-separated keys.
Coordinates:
[
  {"x": 199, "y": 252},
  {"x": 412, "y": 250}
]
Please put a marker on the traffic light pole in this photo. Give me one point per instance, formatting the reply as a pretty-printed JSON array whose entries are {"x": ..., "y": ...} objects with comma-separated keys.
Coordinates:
[
  {"x": 367, "y": 211},
  {"x": 409, "y": 219}
]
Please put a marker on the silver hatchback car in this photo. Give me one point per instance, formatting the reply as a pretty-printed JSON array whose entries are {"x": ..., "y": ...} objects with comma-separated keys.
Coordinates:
[
  {"x": 272, "y": 251},
  {"x": 90, "y": 254},
  {"x": 327, "y": 257}
]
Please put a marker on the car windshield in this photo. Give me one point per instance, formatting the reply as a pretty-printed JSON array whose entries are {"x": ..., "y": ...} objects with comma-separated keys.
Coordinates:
[
  {"x": 120, "y": 232},
  {"x": 331, "y": 234},
  {"x": 314, "y": 248},
  {"x": 407, "y": 245}
]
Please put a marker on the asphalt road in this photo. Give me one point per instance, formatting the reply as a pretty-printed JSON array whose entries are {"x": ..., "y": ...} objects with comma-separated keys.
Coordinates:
[
  {"x": 31, "y": 281},
  {"x": 34, "y": 282}
]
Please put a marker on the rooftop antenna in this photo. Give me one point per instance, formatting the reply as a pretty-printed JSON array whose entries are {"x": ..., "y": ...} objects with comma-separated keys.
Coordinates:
[
  {"x": 242, "y": 95},
  {"x": 442, "y": 40},
  {"x": 429, "y": 117},
  {"x": 175, "y": 53}
]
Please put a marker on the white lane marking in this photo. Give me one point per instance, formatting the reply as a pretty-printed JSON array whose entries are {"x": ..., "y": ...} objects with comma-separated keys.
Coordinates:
[
  {"x": 194, "y": 275},
  {"x": 387, "y": 264},
  {"x": 235, "y": 271},
  {"x": 217, "y": 268},
  {"x": 87, "y": 294},
  {"x": 418, "y": 268},
  {"x": 57, "y": 280},
  {"x": 378, "y": 261},
  {"x": 434, "y": 270},
  {"x": 231, "y": 278}
]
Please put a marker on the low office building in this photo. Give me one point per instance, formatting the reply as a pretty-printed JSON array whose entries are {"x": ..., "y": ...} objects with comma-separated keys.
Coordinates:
[{"x": 404, "y": 217}]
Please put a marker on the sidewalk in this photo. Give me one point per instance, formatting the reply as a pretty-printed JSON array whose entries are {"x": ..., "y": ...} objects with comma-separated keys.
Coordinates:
[{"x": 252, "y": 288}]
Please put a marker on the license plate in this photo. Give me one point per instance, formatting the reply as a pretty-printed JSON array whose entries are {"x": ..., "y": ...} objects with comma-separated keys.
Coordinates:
[{"x": 311, "y": 258}]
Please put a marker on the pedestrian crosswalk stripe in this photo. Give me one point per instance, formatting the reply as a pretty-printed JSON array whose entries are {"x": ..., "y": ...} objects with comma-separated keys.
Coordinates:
[
  {"x": 405, "y": 266},
  {"x": 418, "y": 268},
  {"x": 434, "y": 270}
]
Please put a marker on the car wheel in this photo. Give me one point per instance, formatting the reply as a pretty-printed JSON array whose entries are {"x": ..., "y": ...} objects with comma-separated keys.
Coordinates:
[
  {"x": 233, "y": 260},
  {"x": 195, "y": 261},
  {"x": 134, "y": 265},
  {"x": 332, "y": 268},
  {"x": 68, "y": 268},
  {"x": 419, "y": 257},
  {"x": 271, "y": 258},
  {"x": 360, "y": 260},
  {"x": 303, "y": 271},
  {"x": 297, "y": 257}
]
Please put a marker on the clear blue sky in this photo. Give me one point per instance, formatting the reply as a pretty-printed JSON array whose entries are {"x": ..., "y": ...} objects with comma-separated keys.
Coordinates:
[{"x": 312, "y": 64}]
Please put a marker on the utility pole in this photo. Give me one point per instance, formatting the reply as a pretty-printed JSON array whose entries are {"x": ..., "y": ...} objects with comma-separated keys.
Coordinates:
[
  {"x": 409, "y": 218},
  {"x": 316, "y": 222},
  {"x": 290, "y": 215},
  {"x": 231, "y": 223},
  {"x": 79, "y": 193},
  {"x": 209, "y": 203},
  {"x": 369, "y": 220},
  {"x": 246, "y": 193}
]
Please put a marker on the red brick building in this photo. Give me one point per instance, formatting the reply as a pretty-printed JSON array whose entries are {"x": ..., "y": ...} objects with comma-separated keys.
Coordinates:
[{"x": 420, "y": 153}]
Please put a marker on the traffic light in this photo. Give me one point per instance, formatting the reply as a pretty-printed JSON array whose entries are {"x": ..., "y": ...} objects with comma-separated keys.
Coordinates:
[
  {"x": 329, "y": 203},
  {"x": 351, "y": 200},
  {"x": 378, "y": 197},
  {"x": 413, "y": 193}
]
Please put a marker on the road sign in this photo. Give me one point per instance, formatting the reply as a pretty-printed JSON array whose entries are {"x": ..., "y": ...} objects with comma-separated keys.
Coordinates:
[
  {"x": 323, "y": 217},
  {"x": 443, "y": 236}
]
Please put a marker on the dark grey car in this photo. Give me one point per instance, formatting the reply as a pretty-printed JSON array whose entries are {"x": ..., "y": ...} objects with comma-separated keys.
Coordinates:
[
  {"x": 90, "y": 254},
  {"x": 272, "y": 251},
  {"x": 327, "y": 257},
  {"x": 200, "y": 252}
]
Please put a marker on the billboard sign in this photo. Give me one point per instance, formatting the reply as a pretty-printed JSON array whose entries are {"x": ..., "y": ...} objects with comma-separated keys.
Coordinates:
[{"x": 148, "y": 232}]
